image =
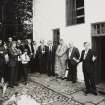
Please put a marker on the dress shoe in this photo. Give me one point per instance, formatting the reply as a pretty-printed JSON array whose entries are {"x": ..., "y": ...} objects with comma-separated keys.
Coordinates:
[
  {"x": 95, "y": 93},
  {"x": 64, "y": 78},
  {"x": 25, "y": 83},
  {"x": 87, "y": 92},
  {"x": 11, "y": 86},
  {"x": 16, "y": 84},
  {"x": 73, "y": 82}
]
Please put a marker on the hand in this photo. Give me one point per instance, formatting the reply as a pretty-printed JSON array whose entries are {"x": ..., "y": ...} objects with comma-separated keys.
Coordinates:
[
  {"x": 76, "y": 59},
  {"x": 43, "y": 52},
  {"x": 1, "y": 52},
  {"x": 94, "y": 58}
]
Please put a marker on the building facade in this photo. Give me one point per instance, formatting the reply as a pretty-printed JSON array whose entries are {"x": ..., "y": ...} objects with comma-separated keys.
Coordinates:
[{"x": 50, "y": 16}]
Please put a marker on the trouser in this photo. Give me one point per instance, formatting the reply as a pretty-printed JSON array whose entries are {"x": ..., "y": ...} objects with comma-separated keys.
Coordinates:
[
  {"x": 6, "y": 73},
  {"x": 13, "y": 75},
  {"x": 50, "y": 69},
  {"x": 25, "y": 71},
  {"x": 20, "y": 71},
  {"x": 2, "y": 71},
  {"x": 72, "y": 75},
  {"x": 43, "y": 67},
  {"x": 89, "y": 82}
]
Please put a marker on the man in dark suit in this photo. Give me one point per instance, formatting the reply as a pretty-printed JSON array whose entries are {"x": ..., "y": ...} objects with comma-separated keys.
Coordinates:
[
  {"x": 42, "y": 57},
  {"x": 51, "y": 59},
  {"x": 73, "y": 57},
  {"x": 2, "y": 61},
  {"x": 30, "y": 49},
  {"x": 35, "y": 57},
  {"x": 13, "y": 63},
  {"x": 88, "y": 58},
  {"x": 19, "y": 45},
  {"x": 10, "y": 39},
  {"x": 20, "y": 70}
]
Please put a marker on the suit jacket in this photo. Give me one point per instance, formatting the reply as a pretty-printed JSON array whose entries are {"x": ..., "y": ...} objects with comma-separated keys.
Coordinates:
[
  {"x": 88, "y": 64},
  {"x": 13, "y": 57},
  {"x": 40, "y": 54},
  {"x": 9, "y": 44},
  {"x": 29, "y": 51},
  {"x": 2, "y": 59},
  {"x": 74, "y": 55},
  {"x": 51, "y": 55},
  {"x": 20, "y": 47}
]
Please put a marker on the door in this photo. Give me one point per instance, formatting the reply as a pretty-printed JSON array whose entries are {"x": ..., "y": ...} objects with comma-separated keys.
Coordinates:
[
  {"x": 98, "y": 45},
  {"x": 103, "y": 58},
  {"x": 56, "y": 37}
]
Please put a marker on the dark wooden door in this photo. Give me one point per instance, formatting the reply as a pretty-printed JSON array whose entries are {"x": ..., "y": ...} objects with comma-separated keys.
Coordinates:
[
  {"x": 56, "y": 37},
  {"x": 98, "y": 45},
  {"x": 103, "y": 58}
]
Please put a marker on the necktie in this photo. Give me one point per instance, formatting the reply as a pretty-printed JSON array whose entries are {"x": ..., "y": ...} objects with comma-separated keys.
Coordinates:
[
  {"x": 25, "y": 57},
  {"x": 60, "y": 48},
  {"x": 50, "y": 49},
  {"x": 69, "y": 53},
  {"x": 85, "y": 54},
  {"x": 30, "y": 48}
]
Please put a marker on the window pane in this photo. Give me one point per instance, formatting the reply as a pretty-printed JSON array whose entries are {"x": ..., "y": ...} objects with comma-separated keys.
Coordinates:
[
  {"x": 79, "y": 3},
  {"x": 80, "y": 20},
  {"x": 74, "y": 12},
  {"x": 80, "y": 12}
]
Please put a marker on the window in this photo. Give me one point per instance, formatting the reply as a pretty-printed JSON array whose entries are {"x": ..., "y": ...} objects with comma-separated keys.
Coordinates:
[
  {"x": 74, "y": 12},
  {"x": 98, "y": 29}
]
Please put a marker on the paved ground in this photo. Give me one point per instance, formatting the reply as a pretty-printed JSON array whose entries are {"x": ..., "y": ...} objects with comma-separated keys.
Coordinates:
[
  {"x": 49, "y": 91},
  {"x": 72, "y": 91}
]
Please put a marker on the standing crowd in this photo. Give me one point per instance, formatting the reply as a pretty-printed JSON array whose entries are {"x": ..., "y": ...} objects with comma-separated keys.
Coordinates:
[{"x": 19, "y": 58}]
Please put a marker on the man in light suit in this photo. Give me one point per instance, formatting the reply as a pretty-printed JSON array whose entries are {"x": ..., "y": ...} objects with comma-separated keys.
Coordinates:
[{"x": 73, "y": 57}]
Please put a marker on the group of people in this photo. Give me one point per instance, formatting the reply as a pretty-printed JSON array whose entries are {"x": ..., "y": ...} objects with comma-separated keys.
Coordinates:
[
  {"x": 68, "y": 58},
  {"x": 18, "y": 58}
]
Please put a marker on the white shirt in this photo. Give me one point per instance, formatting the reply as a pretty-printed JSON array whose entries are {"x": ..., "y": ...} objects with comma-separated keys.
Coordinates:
[
  {"x": 50, "y": 48},
  {"x": 35, "y": 48},
  {"x": 85, "y": 54},
  {"x": 6, "y": 58},
  {"x": 25, "y": 58},
  {"x": 30, "y": 47},
  {"x": 70, "y": 51}
]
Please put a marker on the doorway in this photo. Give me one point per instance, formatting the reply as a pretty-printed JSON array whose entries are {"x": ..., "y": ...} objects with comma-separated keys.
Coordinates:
[
  {"x": 98, "y": 44},
  {"x": 56, "y": 37}
]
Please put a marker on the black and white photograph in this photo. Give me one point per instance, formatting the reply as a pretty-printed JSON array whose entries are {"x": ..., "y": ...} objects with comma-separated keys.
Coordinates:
[{"x": 52, "y": 52}]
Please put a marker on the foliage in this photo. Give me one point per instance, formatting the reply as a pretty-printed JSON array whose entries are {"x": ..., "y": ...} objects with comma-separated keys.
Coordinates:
[{"x": 25, "y": 14}]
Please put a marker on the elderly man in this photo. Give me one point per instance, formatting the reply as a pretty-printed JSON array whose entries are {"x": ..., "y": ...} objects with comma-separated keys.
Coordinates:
[
  {"x": 42, "y": 57},
  {"x": 30, "y": 49},
  {"x": 73, "y": 57}
]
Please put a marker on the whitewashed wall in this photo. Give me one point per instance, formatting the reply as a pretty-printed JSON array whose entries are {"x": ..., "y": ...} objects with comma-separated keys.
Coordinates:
[{"x": 50, "y": 14}]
